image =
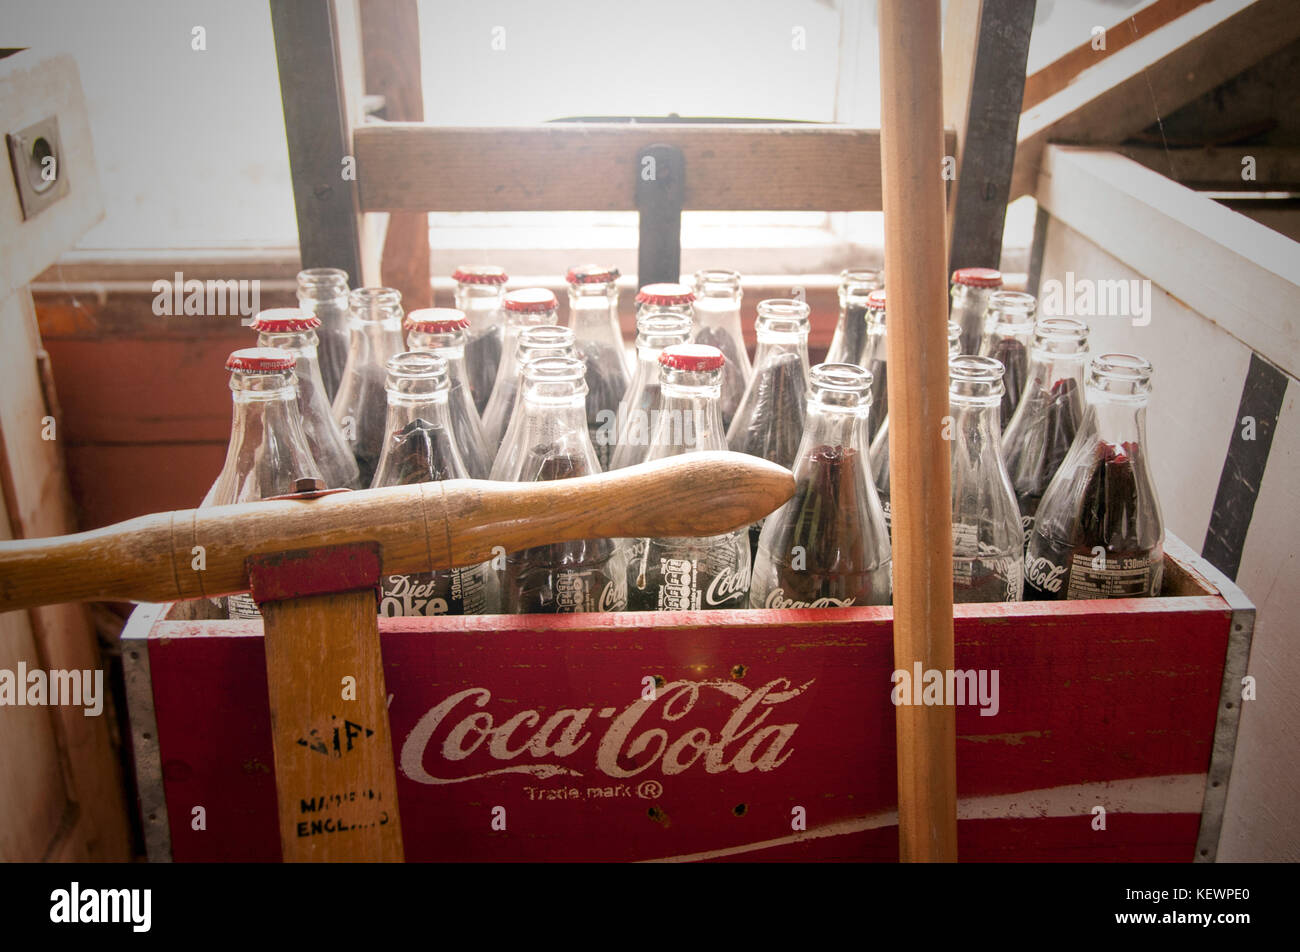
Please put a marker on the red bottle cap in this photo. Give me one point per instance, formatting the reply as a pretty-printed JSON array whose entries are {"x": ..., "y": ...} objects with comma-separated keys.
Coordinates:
[
  {"x": 436, "y": 320},
  {"x": 666, "y": 295},
  {"x": 692, "y": 357},
  {"x": 978, "y": 277},
  {"x": 591, "y": 274},
  {"x": 260, "y": 360},
  {"x": 530, "y": 300},
  {"x": 484, "y": 274},
  {"x": 876, "y": 299},
  {"x": 284, "y": 320}
]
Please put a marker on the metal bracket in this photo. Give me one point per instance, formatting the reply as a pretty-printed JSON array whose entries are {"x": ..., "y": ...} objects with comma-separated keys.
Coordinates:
[
  {"x": 36, "y": 155},
  {"x": 660, "y": 192}
]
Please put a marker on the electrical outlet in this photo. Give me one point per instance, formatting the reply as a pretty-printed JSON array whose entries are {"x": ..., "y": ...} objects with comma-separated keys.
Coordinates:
[{"x": 36, "y": 155}]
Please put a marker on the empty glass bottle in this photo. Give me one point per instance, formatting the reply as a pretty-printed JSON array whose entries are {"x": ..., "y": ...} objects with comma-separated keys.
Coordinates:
[
  {"x": 1008, "y": 333},
  {"x": 323, "y": 293},
  {"x": 769, "y": 420},
  {"x": 1043, "y": 427},
  {"x": 441, "y": 331},
  {"x": 880, "y": 443},
  {"x": 986, "y": 536},
  {"x": 969, "y": 295},
  {"x": 421, "y": 446},
  {"x": 828, "y": 545},
  {"x": 545, "y": 340},
  {"x": 360, "y": 405},
  {"x": 655, "y": 330},
  {"x": 717, "y": 324},
  {"x": 267, "y": 453},
  {"x": 294, "y": 331},
  {"x": 1098, "y": 532},
  {"x": 850, "y": 338},
  {"x": 875, "y": 359},
  {"x": 667, "y": 296},
  {"x": 585, "y": 576},
  {"x": 479, "y": 289},
  {"x": 670, "y": 574},
  {"x": 526, "y": 307},
  {"x": 598, "y": 343}
]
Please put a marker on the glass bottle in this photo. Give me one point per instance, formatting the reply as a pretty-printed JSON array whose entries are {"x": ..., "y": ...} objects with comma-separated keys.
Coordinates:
[
  {"x": 828, "y": 545},
  {"x": 717, "y": 324},
  {"x": 850, "y": 338},
  {"x": 1098, "y": 532},
  {"x": 986, "y": 537},
  {"x": 421, "y": 445},
  {"x": 1008, "y": 334},
  {"x": 295, "y": 331},
  {"x": 526, "y": 307},
  {"x": 667, "y": 296},
  {"x": 360, "y": 405},
  {"x": 545, "y": 340},
  {"x": 323, "y": 293},
  {"x": 1047, "y": 418},
  {"x": 442, "y": 331},
  {"x": 479, "y": 289},
  {"x": 670, "y": 574},
  {"x": 584, "y": 576},
  {"x": 598, "y": 343},
  {"x": 969, "y": 296},
  {"x": 875, "y": 359},
  {"x": 655, "y": 330},
  {"x": 880, "y": 444},
  {"x": 267, "y": 453}
]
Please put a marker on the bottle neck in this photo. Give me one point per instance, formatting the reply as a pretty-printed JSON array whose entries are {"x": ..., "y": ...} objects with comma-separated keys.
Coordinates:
[
  {"x": 773, "y": 343},
  {"x": 1117, "y": 421},
  {"x": 481, "y": 303},
  {"x": 593, "y": 312},
  {"x": 266, "y": 446},
  {"x": 689, "y": 415},
  {"x": 719, "y": 310},
  {"x": 832, "y": 426}
]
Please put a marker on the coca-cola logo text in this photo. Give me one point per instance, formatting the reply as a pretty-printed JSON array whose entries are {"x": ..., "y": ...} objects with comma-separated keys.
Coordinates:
[
  {"x": 776, "y": 599},
  {"x": 1044, "y": 573}
]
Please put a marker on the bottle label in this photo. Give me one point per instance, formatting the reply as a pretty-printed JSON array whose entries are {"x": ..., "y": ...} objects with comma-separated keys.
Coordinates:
[
  {"x": 457, "y": 591},
  {"x": 982, "y": 573},
  {"x": 776, "y": 599},
  {"x": 578, "y": 592},
  {"x": 1027, "y": 525},
  {"x": 242, "y": 606},
  {"x": 884, "y": 504},
  {"x": 1120, "y": 577},
  {"x": 1044, "y": 575}
]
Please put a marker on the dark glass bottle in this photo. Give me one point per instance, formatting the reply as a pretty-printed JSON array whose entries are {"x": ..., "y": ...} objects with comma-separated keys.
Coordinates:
[
  {"x": 969, "y": 294},
  {"x": 655, "y": 330},
  {"x": 526, "y": 307},
  {"x": 479, "y": 289},
  {"x": 850, "y": 338},
  {"x": 598, "y": 343},
  {"x": 1008, "y": 334},
  {"x": 323, "y": 293},
  {"x": 360, "y": 405},
  {"x": 875, "y": 359},
  {"x": 441, "y": 331},
  {"x": 717, "y": 324}
]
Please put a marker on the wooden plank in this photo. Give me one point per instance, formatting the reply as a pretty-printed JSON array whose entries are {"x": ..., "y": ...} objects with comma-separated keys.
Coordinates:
[
  {"x": 961, "y": 32},
  {"x": 33, "y": 87},
  {"x": 591, "y": 167},
  {"x": 1274, "y": 167},
  {"x": 1153, "y": 76},
  {"x": 1059, "y": 73},
  {"x": 1238, "y": 273},
  {"x": 986, "y": 152}
]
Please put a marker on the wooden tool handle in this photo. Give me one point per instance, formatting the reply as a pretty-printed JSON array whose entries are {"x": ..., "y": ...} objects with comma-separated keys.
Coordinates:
[{"x": 197, "y": 553}]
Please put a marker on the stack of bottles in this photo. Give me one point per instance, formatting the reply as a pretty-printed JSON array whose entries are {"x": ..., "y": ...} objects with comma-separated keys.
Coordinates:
[{"x": 1052, "y": 494}]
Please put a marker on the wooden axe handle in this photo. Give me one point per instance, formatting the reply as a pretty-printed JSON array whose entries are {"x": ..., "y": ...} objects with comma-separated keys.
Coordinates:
[{"x": 195, "y": 553}]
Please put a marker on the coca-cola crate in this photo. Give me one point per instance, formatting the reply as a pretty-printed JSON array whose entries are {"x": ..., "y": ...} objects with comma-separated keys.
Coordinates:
[{"x": 751, "y": 735}]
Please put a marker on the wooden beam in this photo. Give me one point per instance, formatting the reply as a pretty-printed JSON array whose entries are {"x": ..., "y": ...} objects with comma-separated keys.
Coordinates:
[
  {"x": 1274, "y": 168},
  {"x": 590, "y": 167},
  {"x": 1239, "y": 274},
  {"x": 986, "y": 121},
  {"x": 1059, "y": 73},
  {"x": 390, "y": 44},
  {"x": 1154, "y": 76},
  {"x": 961, "y": 32}
]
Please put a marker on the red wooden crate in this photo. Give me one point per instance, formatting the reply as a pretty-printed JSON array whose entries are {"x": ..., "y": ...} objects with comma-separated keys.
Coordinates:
[{"x": 759, "y": 720}]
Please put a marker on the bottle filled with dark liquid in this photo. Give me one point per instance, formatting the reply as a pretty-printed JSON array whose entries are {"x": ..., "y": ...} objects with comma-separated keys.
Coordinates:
[
  {"x": 544, "y": 340},
  {"x": 441, "y": 331},
  {"x": 848, "y": 343},
  {"x": 1008, "y": 333},
  {"x": 668, "y": 574},
  {"x": 527, "y": 307},
  {"x": 323, "y": 293},
  {"x": 1098, "y": 532},
  {"x": 1043, "y": 427},
  {"x": 553, "y": 443},
  {"x": 479, "y": 290},
  {"x": 986, "y": 537},
  {"x": 421, "y": 446},
  {"x": 717, "y": 324},
  {"x": 656, "y": 329},
  {"x": 968, "y": 302},
  {"x": 880, "y": 443},
  {"x": 769, "y": 421},
  {"x": 360, "y": 405},
  {"x": 598, "y": 343},
  {"x": 827, "y": 545}
]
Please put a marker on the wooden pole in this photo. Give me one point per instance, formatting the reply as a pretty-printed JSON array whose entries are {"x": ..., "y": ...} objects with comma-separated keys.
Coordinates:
[{"x": 911, "y": 149}]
